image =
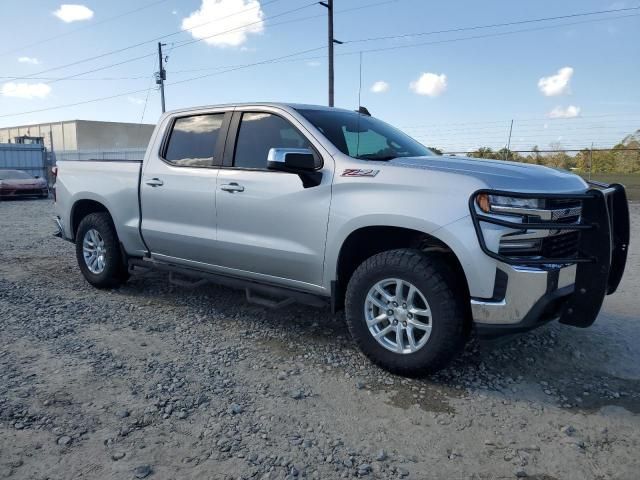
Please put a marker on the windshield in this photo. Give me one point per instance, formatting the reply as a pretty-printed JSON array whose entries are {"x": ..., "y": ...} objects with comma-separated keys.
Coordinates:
[
  {"x": 13, "y": 174},
  {"x": 364, "y": 137}
]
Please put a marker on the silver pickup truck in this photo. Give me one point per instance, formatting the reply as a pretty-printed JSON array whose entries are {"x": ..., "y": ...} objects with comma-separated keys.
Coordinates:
[{"x": 329, "y": 206}]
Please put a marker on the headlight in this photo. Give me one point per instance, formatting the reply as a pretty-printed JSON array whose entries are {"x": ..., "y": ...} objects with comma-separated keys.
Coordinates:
[{"x": 501, "y": 204}]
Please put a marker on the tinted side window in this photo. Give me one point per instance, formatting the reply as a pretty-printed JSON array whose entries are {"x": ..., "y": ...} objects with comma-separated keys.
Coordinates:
[
  {"x": 193, "y": 140},
  {"x": 260, "y": 132}
]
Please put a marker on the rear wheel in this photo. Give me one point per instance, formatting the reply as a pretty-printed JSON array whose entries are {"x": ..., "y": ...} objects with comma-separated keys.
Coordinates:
[
  {"x": 402, "y": 312},
  {"x": 98, "y": 251}
]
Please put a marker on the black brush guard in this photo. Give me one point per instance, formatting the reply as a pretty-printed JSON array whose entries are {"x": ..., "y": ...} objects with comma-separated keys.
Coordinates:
[{"x": 602, "y": 250}]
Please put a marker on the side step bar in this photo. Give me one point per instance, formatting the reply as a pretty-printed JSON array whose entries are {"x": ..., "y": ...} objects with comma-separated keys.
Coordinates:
[{"x": 270, "y": 296}]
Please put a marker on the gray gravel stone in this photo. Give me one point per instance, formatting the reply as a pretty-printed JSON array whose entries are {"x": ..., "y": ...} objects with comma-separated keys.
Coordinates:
[
  {"x": 296, "y": 394},
  {"x": 381, "y": 456},
  {"x": 143, "y": 471}
]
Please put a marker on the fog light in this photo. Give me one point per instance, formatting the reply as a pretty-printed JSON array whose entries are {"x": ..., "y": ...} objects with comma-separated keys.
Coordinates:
[{"x": 520, "y": 247}]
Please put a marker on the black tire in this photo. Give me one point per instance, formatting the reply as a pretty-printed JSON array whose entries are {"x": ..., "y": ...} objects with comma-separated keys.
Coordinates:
[
  {"x": 429, "y": 275},
  {"x": 114, "y": 272}
]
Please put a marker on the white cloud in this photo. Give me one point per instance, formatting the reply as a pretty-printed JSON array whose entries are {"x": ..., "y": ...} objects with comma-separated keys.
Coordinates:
[
  {"x": 380, "y": 87},
  {"x": 73, "y": 13},
  {"x": 31, "y": 60},
  {"x": 313, "y": 63},
  {"x": 430, "y": 84},
  {"x": 174, "y": 12},
  {"x": 217, "y": 16},
  {"x": 135, "y": 100},
  {"x": 25, "y": 90},
  {"x": 570, "y": 112},
  {"x": 557, "y": 84}
]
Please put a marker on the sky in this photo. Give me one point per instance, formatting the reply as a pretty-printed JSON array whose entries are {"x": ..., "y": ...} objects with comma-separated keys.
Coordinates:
[{"x": 566, "y": 82}]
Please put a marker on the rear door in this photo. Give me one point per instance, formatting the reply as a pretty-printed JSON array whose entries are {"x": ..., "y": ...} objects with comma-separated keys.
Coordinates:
[
  {"x": 271, "y": 226},
  {"x": 178, "y": 188}
]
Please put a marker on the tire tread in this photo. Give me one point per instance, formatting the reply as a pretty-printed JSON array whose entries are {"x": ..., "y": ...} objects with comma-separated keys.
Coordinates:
[{"x": 450, "y": 339}]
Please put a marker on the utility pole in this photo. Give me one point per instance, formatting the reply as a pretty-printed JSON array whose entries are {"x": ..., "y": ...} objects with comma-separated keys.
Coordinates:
[
  {"x": 161, "y": 76},
  {"x": 329, "y": 6}
]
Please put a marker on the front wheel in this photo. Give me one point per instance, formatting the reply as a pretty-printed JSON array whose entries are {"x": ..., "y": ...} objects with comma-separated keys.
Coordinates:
[
  {"x": 402, "y": 312},
  {"x": 98, "y": 251}
]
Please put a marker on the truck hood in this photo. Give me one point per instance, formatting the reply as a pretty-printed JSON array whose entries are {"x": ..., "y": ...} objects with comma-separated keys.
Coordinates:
[{"x": 498, "y": 174}]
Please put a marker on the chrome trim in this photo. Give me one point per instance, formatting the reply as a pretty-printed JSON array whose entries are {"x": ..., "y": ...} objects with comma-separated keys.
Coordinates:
[
  {"x": 525, "y": 286},
  {"x": 544, "y": 214},
  {"x": 279, "y": 154}
]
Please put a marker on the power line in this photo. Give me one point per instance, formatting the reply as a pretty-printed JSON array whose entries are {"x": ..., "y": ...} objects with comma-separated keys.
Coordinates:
[
  {"x": 296, "y": 20},
  {"x": 264, "y": 62},
  {"x": 487, "y": 35},
  {"x": 129, "y": 47},
  {"x": 132, "y": 92},
  {"x": 295, "y": 54},
  {"x": 494, "y": 25},
  {"x": 184, "y": 44},
  {"x": 442, "y": 31},
  {"x": 529, "y": 120},
  {"x": 190, "y": 42},
  {"x": 11, "y": 77},
  {"x": 84, "y": 27}
]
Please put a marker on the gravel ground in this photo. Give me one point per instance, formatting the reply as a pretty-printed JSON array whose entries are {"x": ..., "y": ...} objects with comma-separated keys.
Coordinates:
[{"x": 156, "y": 381}]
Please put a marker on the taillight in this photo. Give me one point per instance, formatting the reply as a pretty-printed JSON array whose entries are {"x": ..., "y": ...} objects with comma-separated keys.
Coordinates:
[{"x": 54, "y": 173}]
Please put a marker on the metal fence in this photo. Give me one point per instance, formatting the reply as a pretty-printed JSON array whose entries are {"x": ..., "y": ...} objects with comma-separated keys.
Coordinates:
[
  {"x": 116, "y": 154},
  {"x": 29, "y": 158}
]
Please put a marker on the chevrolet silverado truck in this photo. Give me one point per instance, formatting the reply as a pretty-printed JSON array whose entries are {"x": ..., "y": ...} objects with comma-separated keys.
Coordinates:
[{"x": 324, "y": 206}]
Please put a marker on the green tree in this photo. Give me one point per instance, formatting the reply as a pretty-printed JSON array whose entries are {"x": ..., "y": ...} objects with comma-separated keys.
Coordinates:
[{"x": 484, "y": 152}]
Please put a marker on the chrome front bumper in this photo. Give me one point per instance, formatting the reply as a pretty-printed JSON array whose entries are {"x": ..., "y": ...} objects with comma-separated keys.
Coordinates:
[{"x": 526, "y": 288}]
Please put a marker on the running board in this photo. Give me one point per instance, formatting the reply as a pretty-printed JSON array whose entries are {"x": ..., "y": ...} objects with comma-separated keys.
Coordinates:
[
  {"x": 270, "y": 296},
  {"x": 267, "y": 302},
  {"x": 185, "y": 283}
]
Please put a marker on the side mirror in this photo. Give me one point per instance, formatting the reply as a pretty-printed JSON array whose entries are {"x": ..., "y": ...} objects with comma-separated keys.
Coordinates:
[{"x": 291, "y": 160}]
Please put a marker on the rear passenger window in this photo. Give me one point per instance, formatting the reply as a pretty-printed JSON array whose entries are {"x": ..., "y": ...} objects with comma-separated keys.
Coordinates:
[
  {"x": 259, "y": 132},
  {"x": 193, "y": 140}
]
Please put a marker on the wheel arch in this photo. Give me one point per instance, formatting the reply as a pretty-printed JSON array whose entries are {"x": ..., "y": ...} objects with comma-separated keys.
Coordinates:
[
  {"x": 366, "y": 241},
  {"x": 83, "y": 207}
]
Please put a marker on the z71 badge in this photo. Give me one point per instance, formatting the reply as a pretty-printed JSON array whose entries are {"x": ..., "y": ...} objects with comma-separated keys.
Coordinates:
[{"x": 359, "y": 172}]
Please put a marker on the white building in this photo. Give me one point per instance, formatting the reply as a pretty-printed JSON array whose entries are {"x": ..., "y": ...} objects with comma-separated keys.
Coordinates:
[{"x": 74, "y": 135}]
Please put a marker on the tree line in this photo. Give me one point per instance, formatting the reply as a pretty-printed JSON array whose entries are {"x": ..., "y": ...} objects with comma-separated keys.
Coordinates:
[{"x": 624, "y": 157}]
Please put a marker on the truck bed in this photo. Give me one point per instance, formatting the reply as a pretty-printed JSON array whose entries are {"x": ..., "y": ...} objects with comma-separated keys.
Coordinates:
[{"x": 113, "y": 183}]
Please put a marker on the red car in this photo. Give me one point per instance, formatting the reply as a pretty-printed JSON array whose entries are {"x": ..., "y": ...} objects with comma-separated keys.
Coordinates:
[{"x": 16, "y": 183}]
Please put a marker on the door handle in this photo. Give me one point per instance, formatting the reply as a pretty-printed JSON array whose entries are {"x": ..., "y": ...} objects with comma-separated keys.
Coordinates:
[
  {"x": 155, "y": 182},
  {"x": 232, "y": 187}
]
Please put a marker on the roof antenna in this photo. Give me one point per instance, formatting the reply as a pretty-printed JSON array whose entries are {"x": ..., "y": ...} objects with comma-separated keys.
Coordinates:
[
  {"x": 359, "y": 107},
  {"x": 361, "y": 110}
]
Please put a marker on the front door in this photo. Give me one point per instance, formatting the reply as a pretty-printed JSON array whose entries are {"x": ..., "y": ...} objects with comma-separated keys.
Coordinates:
[
  {"x": 269, "y": 223},
  {"x": 178, "y": 190}
]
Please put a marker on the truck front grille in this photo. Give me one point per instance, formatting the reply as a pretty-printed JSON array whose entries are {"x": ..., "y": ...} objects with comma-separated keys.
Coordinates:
[
  {"x": 559, "y": 244},
  {"x": 564, "y": 245}
]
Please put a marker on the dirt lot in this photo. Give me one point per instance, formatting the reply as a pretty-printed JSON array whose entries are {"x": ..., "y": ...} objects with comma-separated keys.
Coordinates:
[{"x": 163, "y": 382}]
